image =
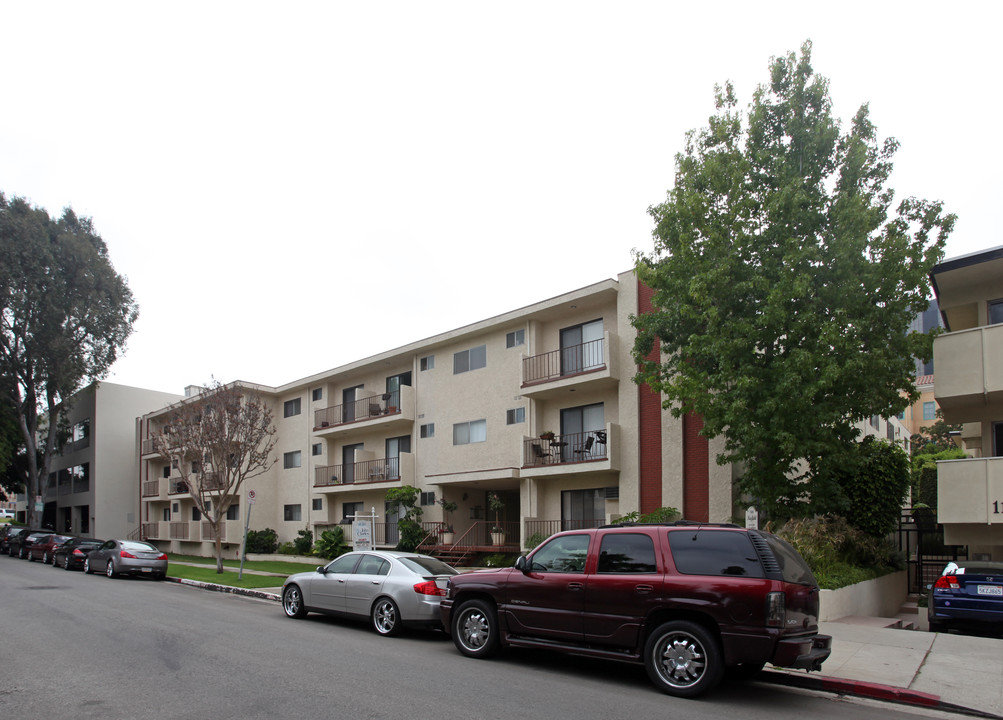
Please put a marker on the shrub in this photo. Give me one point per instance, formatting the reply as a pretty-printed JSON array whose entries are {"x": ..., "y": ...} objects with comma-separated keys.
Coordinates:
[
  {"x": 875, "y": 486},
  {"x": 331, "y": 544},
  {"x": 262, "y": 541},
  {"x": 838, "y": 553},
  {"x": 287, "y": 548},
  {"x": 304, "y": 542},
  {"x": 534, "y": 540}
]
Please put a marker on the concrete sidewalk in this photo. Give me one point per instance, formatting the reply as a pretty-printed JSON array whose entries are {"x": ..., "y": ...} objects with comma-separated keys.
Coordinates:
[
  {"x": 957, "y": 673},
  {"x": 960, "y": 673}
]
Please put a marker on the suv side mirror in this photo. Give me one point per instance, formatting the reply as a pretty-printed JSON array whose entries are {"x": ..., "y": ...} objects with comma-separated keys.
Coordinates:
[{"x": 521, "y": 564}]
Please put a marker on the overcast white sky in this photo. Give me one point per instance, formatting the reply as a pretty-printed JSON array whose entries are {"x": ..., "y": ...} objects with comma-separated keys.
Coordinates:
[{"x": 292, "y": 186}]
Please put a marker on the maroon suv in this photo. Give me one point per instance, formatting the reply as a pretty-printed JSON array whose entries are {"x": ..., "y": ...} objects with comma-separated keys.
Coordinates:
[{"x": 686, "y": 600}]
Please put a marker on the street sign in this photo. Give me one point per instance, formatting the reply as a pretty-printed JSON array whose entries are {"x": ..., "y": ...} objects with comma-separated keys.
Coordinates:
[
  {"x": 250, "y": 496},
  {"x": 752, "y": 518}
]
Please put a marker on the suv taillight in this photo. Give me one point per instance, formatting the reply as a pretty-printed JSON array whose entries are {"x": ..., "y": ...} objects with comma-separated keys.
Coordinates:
[{"x": 776, "y": 610}]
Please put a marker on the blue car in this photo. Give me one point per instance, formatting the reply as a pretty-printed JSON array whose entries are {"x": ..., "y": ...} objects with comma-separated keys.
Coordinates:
[{"x": 968, "y": 596}]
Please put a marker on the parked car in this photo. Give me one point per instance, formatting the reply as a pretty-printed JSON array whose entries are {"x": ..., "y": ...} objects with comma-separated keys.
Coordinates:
[
  {"x": 5, "y": 513},
  {"x": 968, "y": 596},
  {"x": 19, "y": 544},
  {"x": 73, "y": 552},
  {"x": 126, "y": 557},
  {"x": 686, "y": 600},
  {"x": 43, "y": 548},
  {"x": 393, "y": 589},
  {"x": 6, "y": 533}
]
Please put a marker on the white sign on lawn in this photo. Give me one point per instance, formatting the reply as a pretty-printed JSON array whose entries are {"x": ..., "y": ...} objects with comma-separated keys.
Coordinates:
[{"x": 362, "y": 532}]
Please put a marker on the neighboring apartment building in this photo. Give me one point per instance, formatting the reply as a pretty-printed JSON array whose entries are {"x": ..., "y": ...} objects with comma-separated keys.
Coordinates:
[
  {"x": 91, "y": 489},
  {"x": 969, "y": 390},
  {"x": 460, "y": 416},
  {"x": 923, "y": 412}
]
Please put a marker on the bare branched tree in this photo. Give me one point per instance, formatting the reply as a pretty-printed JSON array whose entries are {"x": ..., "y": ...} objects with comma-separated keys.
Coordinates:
[{"x": 217, "y": 441}]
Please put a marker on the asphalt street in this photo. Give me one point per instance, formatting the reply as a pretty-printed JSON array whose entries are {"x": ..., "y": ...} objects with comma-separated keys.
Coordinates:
[{"x": 81, "y": 646}]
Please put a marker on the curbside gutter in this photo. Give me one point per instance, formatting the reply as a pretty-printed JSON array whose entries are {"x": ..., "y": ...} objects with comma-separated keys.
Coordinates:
[
  {"x": 215, "y": 587},
  {"x": 875, "y": 691}
]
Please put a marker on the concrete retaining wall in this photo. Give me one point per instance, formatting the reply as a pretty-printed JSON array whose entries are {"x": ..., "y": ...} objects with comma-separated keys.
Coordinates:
[{"x": 881, "y": 597}]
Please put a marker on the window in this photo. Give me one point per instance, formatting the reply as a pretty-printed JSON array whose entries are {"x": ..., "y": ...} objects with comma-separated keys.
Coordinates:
[
  {"x": 515, "y": 416},
  {"x": 349, "y": 511},
  {"x": 316, "y": 449},
  {"x": 472, "y": 359},
  {"x": 564, "y": 554},
  {"x": 196, "y": 515},
  {"x": 344, "y": 564},
  {"x": 715, "y": 552},
  {"x": 175, "y": 508},
  {"x": 317, "y": 394},
  {"x": 583, "y": 508},
  {"x": 167, "y": 471},
  {"x": 875, "y": 422},
  {"x": 292, "y": 512},
  {"x": 627, "y": 553},
  {"x": 427, "y": 498},
  {"x": 996, "y": 312},
  {"x": 233, "y": 512},
  {"x": 318, "y": 504},
  {"x": 426, "y": 363},
  {"x": 372, "y": 565},
  {"x": 427, "y": 430},
  {"x": 929, "y": 411},
  {"x": 514, "y": 338},
  {"x": 291, "y": 407},
  {"x": 474, "y": 431},
  {"x": 292, "y": 459}
]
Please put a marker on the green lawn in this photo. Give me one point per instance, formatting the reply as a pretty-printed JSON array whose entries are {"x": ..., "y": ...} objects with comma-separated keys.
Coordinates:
[
  {"x": 209, "y": 575},
  {"x": 283, "y": 567}
]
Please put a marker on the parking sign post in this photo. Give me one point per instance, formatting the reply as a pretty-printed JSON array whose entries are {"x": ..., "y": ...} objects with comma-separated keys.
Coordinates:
[{"x": 243, "y": 544}]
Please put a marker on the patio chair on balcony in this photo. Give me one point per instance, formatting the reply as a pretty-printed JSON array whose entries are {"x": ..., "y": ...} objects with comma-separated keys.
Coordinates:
[
  {"x": 540, "y": 454},
  {"x": 585, "y": 450}
]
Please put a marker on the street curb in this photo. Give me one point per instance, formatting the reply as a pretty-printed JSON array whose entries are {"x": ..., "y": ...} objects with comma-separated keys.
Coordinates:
[
  {"x": 875, "y": 691},
  {"x": 215, "y": 587}
]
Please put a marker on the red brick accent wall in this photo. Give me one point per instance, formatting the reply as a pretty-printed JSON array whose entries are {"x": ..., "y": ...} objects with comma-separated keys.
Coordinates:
[
  {"x": 649, "y": 427},
  {"x": 696, "y": 470}
]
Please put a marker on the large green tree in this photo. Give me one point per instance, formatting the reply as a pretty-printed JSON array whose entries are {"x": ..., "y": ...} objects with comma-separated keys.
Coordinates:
[
  {"x": 784, "y": 284},
  {"x": 64, "y": 316}
]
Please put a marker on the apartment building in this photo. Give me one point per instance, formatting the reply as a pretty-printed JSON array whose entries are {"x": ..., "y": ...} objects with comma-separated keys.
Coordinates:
[
  {"x": 529, "y": 422},
  {"x": 969, "y": 389},
  {"x": 91, "y": 490}
]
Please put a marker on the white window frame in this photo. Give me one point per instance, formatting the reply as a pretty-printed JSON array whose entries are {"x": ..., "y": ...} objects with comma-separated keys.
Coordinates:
[{"x": 468, "y": 433}]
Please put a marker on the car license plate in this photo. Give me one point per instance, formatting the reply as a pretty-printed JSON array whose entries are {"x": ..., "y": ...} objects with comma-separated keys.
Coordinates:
[
  {"x": 996, "y": 590},
  {"x": 147, "y": 569}
]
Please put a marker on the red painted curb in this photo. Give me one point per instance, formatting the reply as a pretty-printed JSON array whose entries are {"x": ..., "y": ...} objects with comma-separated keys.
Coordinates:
[{"x": 880, "y": 692}]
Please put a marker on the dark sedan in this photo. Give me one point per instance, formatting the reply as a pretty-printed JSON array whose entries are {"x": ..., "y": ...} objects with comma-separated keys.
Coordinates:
[
  {"x": 967, "y": 595},
  {"x": 127, "y": 557},
  {"x": 20, "y": 545},
  {"x": 71, "y": 554},
  {"x": 43, "y": 548}
]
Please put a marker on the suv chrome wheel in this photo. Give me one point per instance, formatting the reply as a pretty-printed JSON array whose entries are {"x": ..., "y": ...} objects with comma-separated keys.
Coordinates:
[
  {"x": 475, "y": 629},
  {"x": 683, "y": 659}
]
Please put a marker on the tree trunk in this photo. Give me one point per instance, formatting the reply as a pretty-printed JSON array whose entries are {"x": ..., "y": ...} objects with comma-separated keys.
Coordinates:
[{"x": 219, "y": 547}]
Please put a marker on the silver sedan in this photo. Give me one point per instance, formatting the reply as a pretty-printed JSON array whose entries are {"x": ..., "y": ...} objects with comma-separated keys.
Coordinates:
[
  {"x": 127, "y": 557},
  {"x": 392, "y": 589}
]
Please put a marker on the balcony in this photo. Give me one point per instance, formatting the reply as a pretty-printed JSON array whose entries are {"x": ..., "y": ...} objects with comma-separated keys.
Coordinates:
[
  {"x": 589, "y": 365},
  {"x": 389, "y": 472},
  {"x": 969, "y": 379},
  {"x": 155, "y": 489},
  {"x": 575, "y": 453},
  {"x": 385, "y": 411},
  {"x": 211, "y": 483},
  {"x": 194, "y": 531},
  {"x": 971, "y": 492}
]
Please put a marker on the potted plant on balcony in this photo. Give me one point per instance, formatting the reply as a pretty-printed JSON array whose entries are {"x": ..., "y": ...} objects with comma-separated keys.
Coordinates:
[
  {"x": 446, "y": 530},
  {"x": 547, "y": 435},
  {"x": 496, "y": 505}
]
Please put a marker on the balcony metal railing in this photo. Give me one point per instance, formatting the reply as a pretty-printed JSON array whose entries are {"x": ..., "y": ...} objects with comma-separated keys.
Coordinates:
[
  {"x": 546, "y": 528},
  {"x": 364, "y": 409},
  {"x": 361, "y": 472},
  {"x": 151, "y": 488},
  {"x": 568, "y": 448},
  {"x": 150, "y": 530},
  {"x": 211, "y": 482},
  {"x": 571, "y": 360},
  {"x": 179, "y": 531}
]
